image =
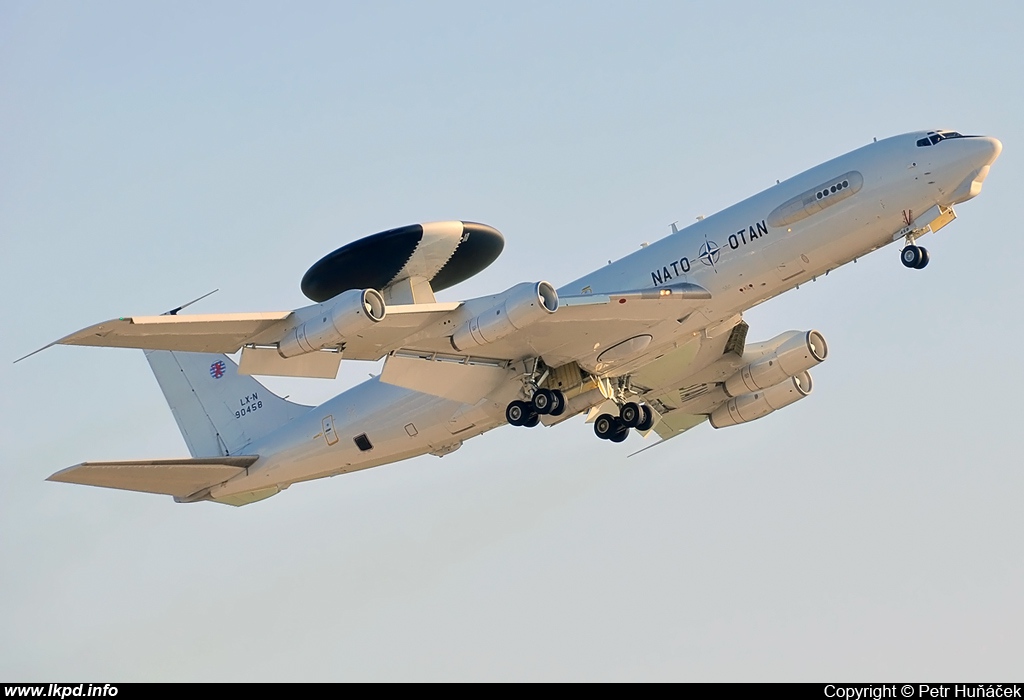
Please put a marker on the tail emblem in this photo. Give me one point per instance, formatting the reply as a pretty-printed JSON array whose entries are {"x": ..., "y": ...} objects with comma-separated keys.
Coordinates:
[{"x": 217, "y": 369}]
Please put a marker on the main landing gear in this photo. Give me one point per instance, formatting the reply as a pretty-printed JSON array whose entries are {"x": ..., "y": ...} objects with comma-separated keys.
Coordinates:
[
  {"x": 552, "y": 402},
  {"x": 631, "y": 415},
  {"x": 528, "y": 413}
]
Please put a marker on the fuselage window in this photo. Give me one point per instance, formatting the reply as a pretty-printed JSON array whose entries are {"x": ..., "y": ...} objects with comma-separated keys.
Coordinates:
[
  {"x": 362, "y": 442},
  {"x": 833, "y": 189},
  {"x": 815, "y": 200}
]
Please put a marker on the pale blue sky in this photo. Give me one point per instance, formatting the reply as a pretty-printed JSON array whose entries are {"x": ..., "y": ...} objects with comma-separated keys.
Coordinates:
[{"x": 150, "y": 153}]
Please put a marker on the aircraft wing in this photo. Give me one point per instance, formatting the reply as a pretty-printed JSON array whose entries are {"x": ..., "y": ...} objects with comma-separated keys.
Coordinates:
[
  {"x": 587, "y": 325},
  {"x": 678, "y": 385},
  {"x": 227, "y": 333},
  {"x": 220, "y": 333},
  {"x": 581, "y": 328},
  {"x": 174, "y": 477}
]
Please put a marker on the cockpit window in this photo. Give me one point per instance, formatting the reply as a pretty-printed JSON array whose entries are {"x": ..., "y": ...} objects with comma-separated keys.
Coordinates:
[{"x": 935, "y": 136}]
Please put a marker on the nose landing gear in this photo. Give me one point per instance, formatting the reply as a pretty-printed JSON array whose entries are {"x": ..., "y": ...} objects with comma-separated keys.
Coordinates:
[{"x": 914, "y": 256}]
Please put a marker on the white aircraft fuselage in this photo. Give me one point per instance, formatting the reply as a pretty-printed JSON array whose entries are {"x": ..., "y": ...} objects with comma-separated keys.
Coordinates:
[{"x": 750, "y": 252}]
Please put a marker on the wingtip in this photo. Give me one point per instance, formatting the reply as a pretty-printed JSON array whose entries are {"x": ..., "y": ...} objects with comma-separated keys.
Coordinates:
[
  {"x": 50, "y": 345},
  {"x": 64, "y": 340},
  {"x": 56, "y": 476}
]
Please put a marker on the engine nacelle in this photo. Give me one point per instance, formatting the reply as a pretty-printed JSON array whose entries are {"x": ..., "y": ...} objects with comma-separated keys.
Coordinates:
[
  {"x": 748, "y": 407},
  {"x": 525, "y": 304},
  {"x": 341, "y": 317},
  {"x": 797, "y": 353}
]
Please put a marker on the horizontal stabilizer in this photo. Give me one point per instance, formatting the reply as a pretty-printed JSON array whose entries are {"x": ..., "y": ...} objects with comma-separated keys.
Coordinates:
[{"x": 174, "y": 477}]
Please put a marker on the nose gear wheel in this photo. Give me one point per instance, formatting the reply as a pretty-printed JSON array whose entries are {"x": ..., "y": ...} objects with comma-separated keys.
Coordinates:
[{"x": 915, "y": 257}]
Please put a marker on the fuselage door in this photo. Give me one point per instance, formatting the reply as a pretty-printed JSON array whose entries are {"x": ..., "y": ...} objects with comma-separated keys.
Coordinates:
[
  {"x": 329, "y": 433},
  {"x": 788, "y": 271}
]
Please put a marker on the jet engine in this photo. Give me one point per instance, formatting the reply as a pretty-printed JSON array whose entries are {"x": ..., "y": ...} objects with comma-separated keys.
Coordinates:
[
  {"x": 524, "y": 304},
  {"x": 748, "y": 407},
  {"x": 798, "y": 352},
  {"x": 346, "y": 314}
]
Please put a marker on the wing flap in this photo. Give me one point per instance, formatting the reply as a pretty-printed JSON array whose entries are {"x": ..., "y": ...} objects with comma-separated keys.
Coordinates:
[
  {"x": 323, "y": 364},
  {"x": 677, "y": 423},
  {"x": 466, "y": 381},
  {"x": 174, "y": 477}
]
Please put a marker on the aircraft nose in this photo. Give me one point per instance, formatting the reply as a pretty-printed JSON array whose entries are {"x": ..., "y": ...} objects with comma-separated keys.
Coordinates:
[
  {"x": 976, "y": 154},
  {"x": 987, "y": 149}
]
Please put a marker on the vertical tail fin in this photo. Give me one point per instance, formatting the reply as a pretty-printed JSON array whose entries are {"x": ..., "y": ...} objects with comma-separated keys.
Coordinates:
[{"x": 218, "y": 410}]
